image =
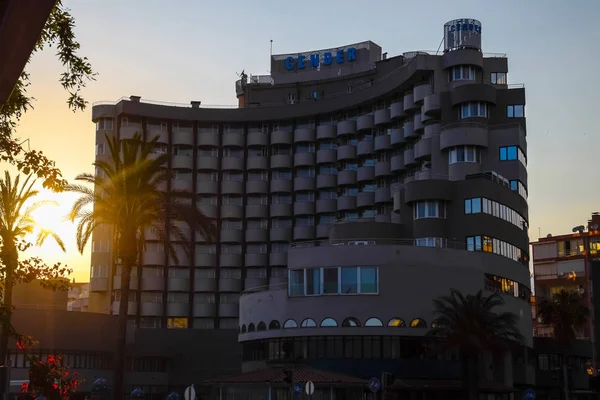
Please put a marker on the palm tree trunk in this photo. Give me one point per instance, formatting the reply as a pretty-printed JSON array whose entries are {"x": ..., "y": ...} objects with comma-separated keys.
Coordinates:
[
  {"x": 10, "y": 258},
  {"x": 469, "y": 376},
  {"x": 565, "y": 377},
  {"x": 119, "y": 370}
]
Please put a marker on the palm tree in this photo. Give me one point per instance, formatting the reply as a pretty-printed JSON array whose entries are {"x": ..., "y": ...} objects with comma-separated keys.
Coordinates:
[
  {"x": 471, "y": 324},
  {"x": 127, "y": 199},
  {"x": 566, "y": 313},
  {"x": 16, "y": 222}
]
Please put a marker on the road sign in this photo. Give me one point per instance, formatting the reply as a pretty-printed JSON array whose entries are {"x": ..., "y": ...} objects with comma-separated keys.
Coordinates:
[
  {"x": 297, "y": 388},
  {"x": 190, "y": 393},
  {"x": 529, "y": 394},
  {"x": 374, "y": 385},
  {"x": 309, "y": 388}
]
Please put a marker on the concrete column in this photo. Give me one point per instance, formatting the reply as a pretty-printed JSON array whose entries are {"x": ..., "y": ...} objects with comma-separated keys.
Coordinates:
[{"x": 508, "y": 373}]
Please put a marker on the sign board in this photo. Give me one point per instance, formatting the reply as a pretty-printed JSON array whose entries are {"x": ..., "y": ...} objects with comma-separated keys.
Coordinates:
[
  {"x": 462, "y": 33},
  {"x": 297, "y": 388},
  {"x": 374, "y": 385},
  {"x": 529, "y": 394},
  {"x": 309, "y": 388},
  {"x": 190, "y": 393}
]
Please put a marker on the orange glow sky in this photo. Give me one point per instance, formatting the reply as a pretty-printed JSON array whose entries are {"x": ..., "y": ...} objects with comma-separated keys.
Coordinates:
[{"x": 191, "y": 50}]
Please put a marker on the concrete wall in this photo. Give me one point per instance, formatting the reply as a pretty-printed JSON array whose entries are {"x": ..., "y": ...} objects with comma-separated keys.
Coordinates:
[{"x": 409, "y": 278}]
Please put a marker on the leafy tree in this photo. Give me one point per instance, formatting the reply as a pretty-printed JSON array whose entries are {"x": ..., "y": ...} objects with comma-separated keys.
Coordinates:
[
  {"x": 566, "y": 313},
  {"x": 16, "y": 222},
  {"x": 128, "y": 199},
  {"x": 50, "y": 378},
  {"x": 58, "y": 32},
  {"x": 471, "y": 324}
]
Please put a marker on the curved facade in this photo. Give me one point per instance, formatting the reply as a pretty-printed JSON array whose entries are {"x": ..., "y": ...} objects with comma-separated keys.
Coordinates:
[{"x": 435, "y": 144}]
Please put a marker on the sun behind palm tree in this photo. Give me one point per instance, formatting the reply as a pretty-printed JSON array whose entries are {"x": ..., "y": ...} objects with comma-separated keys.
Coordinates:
[
  {"x": 16, "y": 223},
  {"x": 128, "y": 197}
]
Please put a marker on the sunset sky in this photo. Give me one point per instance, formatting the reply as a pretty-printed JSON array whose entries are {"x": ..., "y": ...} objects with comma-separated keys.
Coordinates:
[{"x": 179, "y": 51}]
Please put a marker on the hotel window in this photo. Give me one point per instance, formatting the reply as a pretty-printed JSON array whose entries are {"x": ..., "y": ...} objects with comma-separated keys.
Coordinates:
[
  {"x": 182, "y": 150},
  {"x": 159, "y": 149},
  {"x": 285, "y": 174},
  {"x": 280, "y": 248},
  {"x": 232, "y": 224},
  {"x": 517, "y": 186},
  {"x": 100, "y": 148},
  {"x": 325, "y": 218},
  {"x": 205, "y": 248},
  {"x": 497, "y": 246},
  {"x": 230, "y": 273},
  {"x": 207, "y": 200},
  {"x": 498, "y": 78},
  {"x": 105, "y": 123},
  {"x": 256, "y": 248},
  {"x": 462, "y": 154},
  {"x": 177, "y": 323},
  {"x": 515, "y": 111},
  {"x": 462, "y": 73},
  {"x": 305, "y": 220},
  {"x": 328, "y": 169},
  {"x": 207, "y": 176},
  {"x": 258, "y": 176},
  {"x": 227, "y": 248},
  {"x": 510, "y": 153},
  {"x": 429, "y": 209},
  {"x": 431, "y": 242},
  {"x": 305, "y": 148},
  {"x": 473, "y": 109},
  {"x": 150, "y": 322},
  {"x": 205, "y": 273},
  {"x": 333, "y": 281},
  {"x": 305, "y": 196},
  {"x": 208, "y": 152},
  {"x": 232, "y": 200},
  {"x": 178, "y": 298},
  {"x": 281, "y": 198},
  {"x": 180, "y": 175},
  {"x": 328, "y": 145},
  {"x": 281, "y": 223},
  {"x": 257, "y": 151},
  {"x": 151, "y": 297},
  {"x": 257, "y": 223},
  {"x": 498, "y": 210},
  {"x": 305, "y": 172},
  {"x": 99, "y": 271},
  {"x": 327, "y": 194},
  {"x": 233, "y": 152}
]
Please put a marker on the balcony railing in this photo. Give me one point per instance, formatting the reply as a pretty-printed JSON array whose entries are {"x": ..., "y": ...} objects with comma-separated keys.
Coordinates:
[{"x": 378, "y": 242}]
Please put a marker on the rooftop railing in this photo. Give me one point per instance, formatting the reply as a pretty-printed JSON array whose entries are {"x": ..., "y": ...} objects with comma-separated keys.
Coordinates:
[{"x": 428, "y": 242}]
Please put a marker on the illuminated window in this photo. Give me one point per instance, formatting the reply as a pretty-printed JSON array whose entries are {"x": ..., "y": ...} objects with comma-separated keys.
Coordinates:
[
  {"x": 436, "y": 324},
  {"x": 329, "y": 322},
  {"x": 308, "y": 323},
  {"x": 177, "y": 323},
  {"x": 396, "y": 323},
  {"x": 351, "y": 322},
  {"x": 373, "y": 322},
  {"x": 418, "y": 323},
  {"x": 290, "y": 323}
]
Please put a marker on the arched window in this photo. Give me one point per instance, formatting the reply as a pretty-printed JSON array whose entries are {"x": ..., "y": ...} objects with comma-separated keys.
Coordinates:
[
  {"x": 329, "y": 322},
  {"x": 251, "y": 327},
  {"x": 290, "y": 323},
  {"x": 436, "y": 323},
  {"x": 350, "y": 322},
  {"x": 397, "y": 323},
  {"x": 274, "y": 325},
  {"x": 243, "y": 328},
  {"x": 418, "y": 323},
  {"x": 261, "y": 326},
  {"x": 373, "y": 322},
  {"x": 308, "y": 323}
]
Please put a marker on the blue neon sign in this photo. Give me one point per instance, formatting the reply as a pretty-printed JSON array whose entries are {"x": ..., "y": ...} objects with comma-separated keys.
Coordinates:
[
  {"x": 465, "y": 25},
  {"x": 340, "y": 56}
]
